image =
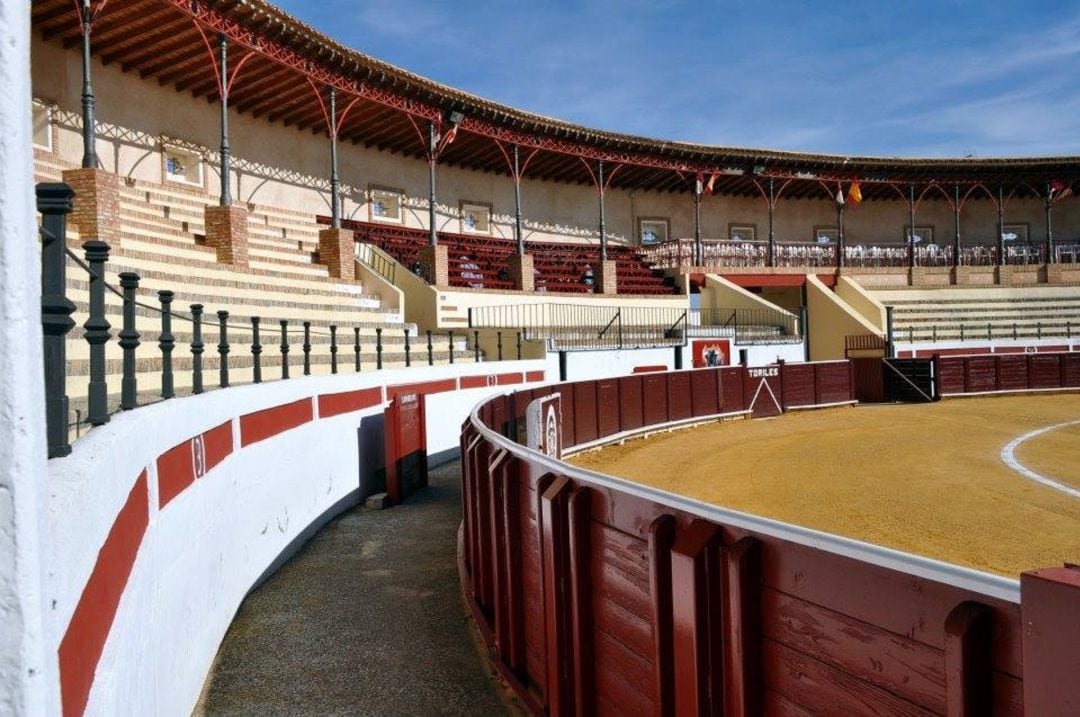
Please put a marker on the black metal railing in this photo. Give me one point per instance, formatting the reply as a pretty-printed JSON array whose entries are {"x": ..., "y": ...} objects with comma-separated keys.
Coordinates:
[
  {"x": 367, "y": 255},
  {"x": 991, "y": 330},
  {"x": 54, "y": 202}
]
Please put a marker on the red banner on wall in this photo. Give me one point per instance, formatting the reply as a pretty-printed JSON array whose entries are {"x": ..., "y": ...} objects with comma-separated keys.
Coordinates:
[{"x": 711, "y": 352}]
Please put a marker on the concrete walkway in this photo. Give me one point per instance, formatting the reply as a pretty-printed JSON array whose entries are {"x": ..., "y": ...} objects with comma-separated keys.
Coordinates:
[{"x": 367, "y": 619}]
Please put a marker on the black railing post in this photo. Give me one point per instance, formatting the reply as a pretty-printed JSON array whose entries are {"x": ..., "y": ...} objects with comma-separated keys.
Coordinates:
[
  {"x": 333, "y": 349},
  {"x": 476, "y": 346},
  {"x": 1038, "y": 329},
  {"x": 129, "y": 341},
  {"x": 1014, "y": 331},
  {"x": 356, "y": 348},
  {"x": 54, "y": 203},
  {"x": 408, "y": 355},
  {"x": 519, "y": 343},
  {"x": 451, "y": 337},
  {"x": 430, "y": 354},
  {"x": 378, "y": 348},
  {"x": 166, "y": 343},
  {"x": 223, "y": 348},
  {"x": 197, "y": 348},
  {"x": 256, "y": 351},
  {"x": 97, "y": 333},
  {"x": 498, "y": 335},
  {"x": 961, "y": 332},
  {"x": 284, "y": 348},
  {"x": 307, "y": 348}
]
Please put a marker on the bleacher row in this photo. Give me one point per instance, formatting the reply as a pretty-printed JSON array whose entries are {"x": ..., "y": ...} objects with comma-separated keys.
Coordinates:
[{"x": 482, "y": 262}]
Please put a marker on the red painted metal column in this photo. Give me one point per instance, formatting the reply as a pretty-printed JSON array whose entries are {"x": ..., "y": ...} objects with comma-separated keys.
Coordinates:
[{"x": 1049, "y": 606}]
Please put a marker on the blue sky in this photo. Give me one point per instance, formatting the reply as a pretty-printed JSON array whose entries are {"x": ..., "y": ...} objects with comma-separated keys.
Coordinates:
[{"x": 906, "y": 77}]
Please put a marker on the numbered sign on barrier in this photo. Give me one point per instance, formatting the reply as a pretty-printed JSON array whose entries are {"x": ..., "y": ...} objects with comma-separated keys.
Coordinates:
[
  {"x": 543, "y": 425},
  {"x": 406, "y": 447}
]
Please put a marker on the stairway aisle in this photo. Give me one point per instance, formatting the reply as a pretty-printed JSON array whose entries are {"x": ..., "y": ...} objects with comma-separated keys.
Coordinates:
[{"x": 367, "y": 619}]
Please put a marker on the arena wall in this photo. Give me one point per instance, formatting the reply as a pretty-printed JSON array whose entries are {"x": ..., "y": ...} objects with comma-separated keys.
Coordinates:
[
  {"x": 153, "y": 537},
  {"x": 282, "y": 166},
  {"x": 596, "y": 593}
]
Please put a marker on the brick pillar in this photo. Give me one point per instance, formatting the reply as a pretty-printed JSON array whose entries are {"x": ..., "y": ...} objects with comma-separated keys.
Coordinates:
[
  {"x": 606, "y": 278},
  {"x": 227, "y": 231},
  {"x": 96, "y": 209},
  {"x": 435, "y": 265},
  {"x": 1049, "y": 604},
  {"x": 336, "y": 250},
  {"x": 521, "y": 272}
]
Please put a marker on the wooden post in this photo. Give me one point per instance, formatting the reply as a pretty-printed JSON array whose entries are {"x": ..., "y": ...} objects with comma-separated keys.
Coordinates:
[
  {"x": 661, "y": 537},
  {"x": 691, "y": 574},
  {"x": 743, "y": 684},
  {"x": 557, "y": 617},
  {"x": 1049, "y": 604},
  {"x": 969, "y": 673}
]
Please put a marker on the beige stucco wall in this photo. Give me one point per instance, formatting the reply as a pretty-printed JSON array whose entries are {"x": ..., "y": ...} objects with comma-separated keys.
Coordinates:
[
  {"x": 287, "y": 167},
  {"x": 861, "y": 301},
  {"x": 830, "y": 319}
]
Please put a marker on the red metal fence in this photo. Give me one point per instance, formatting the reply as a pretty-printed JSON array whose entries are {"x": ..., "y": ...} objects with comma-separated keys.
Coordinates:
[{"x": 601, "y": 596}]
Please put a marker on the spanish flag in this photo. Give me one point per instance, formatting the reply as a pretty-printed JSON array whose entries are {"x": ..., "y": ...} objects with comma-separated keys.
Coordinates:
[
  {"x": 854, "y": 195},
  {"x": 709, "y": 185}
]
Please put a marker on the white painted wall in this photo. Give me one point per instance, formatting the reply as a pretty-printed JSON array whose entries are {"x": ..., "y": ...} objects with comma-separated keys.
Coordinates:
[
  {"x": 23, "y": 670},
  {"x": 206, "y": 548},
  {"x": 588, "y": 365},
  {"x": 980, "y": 344}
]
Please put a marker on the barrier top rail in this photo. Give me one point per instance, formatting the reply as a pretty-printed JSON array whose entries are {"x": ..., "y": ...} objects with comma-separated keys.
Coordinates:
[{"x": 935, "y": 570}]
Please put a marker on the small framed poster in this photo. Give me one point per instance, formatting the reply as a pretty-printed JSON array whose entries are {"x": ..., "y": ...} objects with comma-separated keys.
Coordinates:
[
  {"x": 653, "y": 230},
  {"x": 924, "y": 236},
  {"x": 183, "y": 165},
  {"x": 825, "y": 235},
  {"x": 385, "y": 204},
  {"x": 742, "y": 232},
  {"x": 475, "y": 218}
]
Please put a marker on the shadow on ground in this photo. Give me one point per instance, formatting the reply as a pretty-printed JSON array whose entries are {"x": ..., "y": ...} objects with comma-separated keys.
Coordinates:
[{"x": 367, "y": 619}]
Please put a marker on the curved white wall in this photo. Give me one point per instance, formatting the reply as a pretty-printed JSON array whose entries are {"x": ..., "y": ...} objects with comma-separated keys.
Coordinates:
[{"x": 203, "y": 549}]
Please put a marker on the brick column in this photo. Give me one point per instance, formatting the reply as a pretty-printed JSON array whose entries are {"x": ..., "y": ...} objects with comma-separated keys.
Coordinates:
[
  {"x": 606, "y": 278},
  {"x": 227, "y": 231},
  {"x": 96, "y": 209},
  {"x": 435, "y": 265},
  {"x": 336, "y": 251},
  {"x": 1050, "y": 638},
  {"x": 521, "y": 272}
]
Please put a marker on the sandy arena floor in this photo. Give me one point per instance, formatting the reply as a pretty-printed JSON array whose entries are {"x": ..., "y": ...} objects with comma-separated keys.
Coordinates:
[{"x": 926, "y": 479}]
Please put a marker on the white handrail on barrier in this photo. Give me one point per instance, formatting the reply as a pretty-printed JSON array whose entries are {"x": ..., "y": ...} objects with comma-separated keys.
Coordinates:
[{"x": 939, "y": 571}]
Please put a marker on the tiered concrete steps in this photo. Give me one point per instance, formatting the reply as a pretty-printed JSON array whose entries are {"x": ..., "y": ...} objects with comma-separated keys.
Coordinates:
[{"x": 981, "y": 314}]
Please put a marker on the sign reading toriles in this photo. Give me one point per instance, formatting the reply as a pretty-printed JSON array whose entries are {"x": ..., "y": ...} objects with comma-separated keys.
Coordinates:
[
  {"x": 543, "y": 425},
  {"x": 711, "y": 352}
]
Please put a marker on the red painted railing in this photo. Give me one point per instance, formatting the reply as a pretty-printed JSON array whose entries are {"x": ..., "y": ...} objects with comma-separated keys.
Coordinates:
[{"x": 597, "y": 595}]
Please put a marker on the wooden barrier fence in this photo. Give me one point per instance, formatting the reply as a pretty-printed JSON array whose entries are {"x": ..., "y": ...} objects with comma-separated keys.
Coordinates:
[
  {"x": 1006, "y": 373},
  {"x": 596, "y": 595}
]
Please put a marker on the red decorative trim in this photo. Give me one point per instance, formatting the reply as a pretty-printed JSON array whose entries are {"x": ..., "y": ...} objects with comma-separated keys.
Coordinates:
[
  {"x": 509, "y": 379},
  {"x": 476, "y": 381},
  {"x": 425, "y": 387},
  {"x": 334, "y": 404},
  {"x": 178, "y": 467},
  {"x": 652, "y": 368},
  {"x": 264, "y": 424},
  {"x": 532, "y": 376},
  {"x": 84, "y": 639}
]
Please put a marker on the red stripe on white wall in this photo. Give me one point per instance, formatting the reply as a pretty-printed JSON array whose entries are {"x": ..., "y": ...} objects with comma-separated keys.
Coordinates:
[
  {"x": 533, "y": 376},
  {"x": 178, "y": 467},
  {"x": 84, "y": 639},
  {"x": 260, "y": 425},
  {"x": 424, "y": 387},
  {"x": 333, "y": 404}
]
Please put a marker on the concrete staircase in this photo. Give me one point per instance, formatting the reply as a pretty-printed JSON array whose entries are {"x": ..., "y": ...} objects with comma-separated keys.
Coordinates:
[
  {"x": 161, "y": 239},
  {"x": 982, "y": 314}
]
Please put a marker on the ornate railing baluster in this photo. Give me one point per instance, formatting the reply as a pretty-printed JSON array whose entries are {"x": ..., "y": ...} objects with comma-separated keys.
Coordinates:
[
  {"x": 333, "y": 349},
  {"x": 166, "y": 343},
  {"x": 430, "y": 354},
  {"x": 451, "y": 337},
  {"x": 408, "y": 358},
  {"x": 356, "y": 347},
  {"x": 54, "y": 203},
  {"x": 97, "y": 334},
  {"x": 256, "y": 351},
  {"x": 307, "y": 348},
  {"x": 284, "y": 348},
  {"x": 476, "y": 346},
  {"x": 519, "y": 345},
  {"x": 498, "y": 335},
  {"x": 378, "y": 348},
  {"x": 129, "y": 341},
  {"x": 223, "y": 348},
  {"x": 197, "y": 348}
]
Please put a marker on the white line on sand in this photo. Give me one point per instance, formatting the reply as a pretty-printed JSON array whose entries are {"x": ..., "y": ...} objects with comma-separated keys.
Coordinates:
[{"x": 1008, "y": 456}]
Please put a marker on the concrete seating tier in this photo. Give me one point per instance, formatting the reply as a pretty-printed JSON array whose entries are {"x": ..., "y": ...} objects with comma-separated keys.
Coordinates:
[
  {"x": 976, "y": 314},
  {"x": 481, "y": 262}
]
